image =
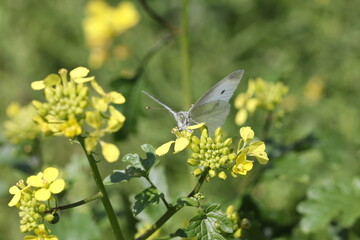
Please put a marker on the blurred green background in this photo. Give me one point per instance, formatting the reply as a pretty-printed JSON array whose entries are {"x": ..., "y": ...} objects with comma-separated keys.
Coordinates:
[{"x": 311, "y": 187}]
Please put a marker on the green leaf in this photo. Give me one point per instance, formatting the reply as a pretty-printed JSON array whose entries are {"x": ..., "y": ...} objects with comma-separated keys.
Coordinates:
[
  {"x": 149, "y": 196},
  {"x": 124, "y": 175},
  {"x": 133, "y": 159},
  {"x": 148, "y": 148},
  {"x": 149, "y": 161},
  {"x": 212, "y": 224},
  {"x": 334, "y": 200}
]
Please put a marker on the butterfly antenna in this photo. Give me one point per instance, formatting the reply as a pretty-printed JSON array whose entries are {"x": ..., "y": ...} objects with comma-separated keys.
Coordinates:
[{"x": 166, "y": 107}]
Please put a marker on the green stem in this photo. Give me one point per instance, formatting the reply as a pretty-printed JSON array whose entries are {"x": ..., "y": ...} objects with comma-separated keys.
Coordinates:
[
  {"x": 105, "y": 199},
  {"x": 172, "y": 210},
  {"x": 267, "y": 125},
  {"x": 76, "y": 204},
  {"x": 167, "y": 205},
  {"x": 185, "y": 53}
]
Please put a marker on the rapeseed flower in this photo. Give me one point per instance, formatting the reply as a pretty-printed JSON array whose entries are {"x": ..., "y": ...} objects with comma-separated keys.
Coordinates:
[{"x": 71, "y": 108}]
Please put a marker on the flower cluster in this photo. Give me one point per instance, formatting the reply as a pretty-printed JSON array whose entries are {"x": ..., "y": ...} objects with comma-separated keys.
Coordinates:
[
  {"x": 70, "y": 110},
  {"x": 33, "y": 199},
  {"x": 234, "y": 217},
  {"x": 259, "y": 94},
  {"x": 214, "y": 154},
  {"x": 20, "y": 127},
  {"x": 102, "y": 23}
]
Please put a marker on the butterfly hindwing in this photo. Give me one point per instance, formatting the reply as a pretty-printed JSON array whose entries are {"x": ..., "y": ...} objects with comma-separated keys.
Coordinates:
[{"x": 213, "y": 114}]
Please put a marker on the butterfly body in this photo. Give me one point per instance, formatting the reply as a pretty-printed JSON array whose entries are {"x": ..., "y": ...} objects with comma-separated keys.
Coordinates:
[{"x": 212, "y": 108}]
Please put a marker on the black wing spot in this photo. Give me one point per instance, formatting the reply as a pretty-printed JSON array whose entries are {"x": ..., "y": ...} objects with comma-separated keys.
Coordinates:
[{"x": 222, "y": 91}]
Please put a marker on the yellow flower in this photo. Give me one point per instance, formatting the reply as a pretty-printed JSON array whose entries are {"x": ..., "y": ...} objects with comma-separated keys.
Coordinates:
[
  {"x": 41, "y": 234},
  {"x": 20, "y": 127},
  {"x": 17, "y": 192},
  {"x": 181, "y": 142},
  {"x": 102, "y": 23},
  {"x": 242, "y": 165},
  {"x": 260, "y": 94},
  {"x": 47, "y": 183},
  {"x": 247, "y": 134}
]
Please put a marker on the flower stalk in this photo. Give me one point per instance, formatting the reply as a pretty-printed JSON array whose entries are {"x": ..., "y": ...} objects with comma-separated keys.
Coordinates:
[
  {"x": 173, "y": 209},
  {"x": 105, "y": 199}
]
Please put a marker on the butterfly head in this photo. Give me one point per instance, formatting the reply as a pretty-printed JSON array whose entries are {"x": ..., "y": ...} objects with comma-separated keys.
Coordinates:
[{"x": 182, "y": 120}]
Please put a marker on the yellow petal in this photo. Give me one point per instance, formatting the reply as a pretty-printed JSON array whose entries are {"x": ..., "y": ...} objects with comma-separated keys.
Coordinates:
[
  {"x": 14, "y": 190},
  {"x": 42, "y": 194},
  {"x": 57, "y": 186},
  {"x": 51, "y": 80},
  {"x": 99, "y": 104},
  {"x": 90, "y": 143},
  {"x": 192, "y": 127},
  {"x": 241, "y": 117},
  {"x": 79, "y": 72},
  {"x": 180, "y": 144},
  {"x": 98, "y": 88},
  {"x": 247, "y": 134},
  {"x": 163, "y": 149},
  {"x": 93, "y": 119},
  {"x": 50, "y": 174},
  {"x": 116, "y": 114},
  {"x": 262, "y": 157},
  {"x": 110, "y": 151},
  {"x": 257, "y": 147},
  {"x": 34, "y": 181},
  {"x": 116, "y": 97},
  {"x": 240, "y": 101},
  {"x": 38, "y": 85},
  {"x": 15, "y": 199}
]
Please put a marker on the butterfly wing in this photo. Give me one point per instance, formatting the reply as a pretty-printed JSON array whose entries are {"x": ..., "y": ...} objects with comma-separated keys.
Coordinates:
[
  {"x": 222, "y": 91},
  {"x": 213, "y": 114}
]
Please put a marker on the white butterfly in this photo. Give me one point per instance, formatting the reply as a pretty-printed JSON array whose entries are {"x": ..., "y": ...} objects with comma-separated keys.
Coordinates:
[{"x": 212, "y": 108}]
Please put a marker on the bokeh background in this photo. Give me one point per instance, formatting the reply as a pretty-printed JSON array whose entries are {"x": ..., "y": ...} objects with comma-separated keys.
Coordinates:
[{"x": 311, "y": 187}]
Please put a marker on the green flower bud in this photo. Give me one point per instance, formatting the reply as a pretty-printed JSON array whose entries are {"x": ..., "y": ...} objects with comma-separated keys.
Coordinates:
[
  {"x": 193, "y": 162},
  {"x": 195, "y": 139},
  {"x": 225, "y": 151},
  {"x": 228, "y": 142},
  {"x": 232, "y": 156},
  {"x": 197, "y": 172},
  {"x": 222, "y": 175},
  {"x": 218, "y": 133},
  {"x": 49, "y": 217},
  {"x": 212, "y": 173},
  {"x": 195, "y": 147}
]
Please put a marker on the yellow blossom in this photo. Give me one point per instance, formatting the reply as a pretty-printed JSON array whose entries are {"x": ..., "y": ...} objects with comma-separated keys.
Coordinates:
[
  {"x": 47, "y": 183},
  {"x": 102, "y": 23},
  {"x": 260, "y": 94},
  {"x": 17, "y": 192},
  {"x": 41, "y": 234},
  {"x": 110, "y": 151},
  {"x": 242, "y": 165},
  {"x": 20, "y": 127},
  {"x": 181, "y": 142}
]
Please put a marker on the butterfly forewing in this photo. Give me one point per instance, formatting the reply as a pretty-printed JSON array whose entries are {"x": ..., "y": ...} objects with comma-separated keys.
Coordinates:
[{"x": 223, "y": 90}]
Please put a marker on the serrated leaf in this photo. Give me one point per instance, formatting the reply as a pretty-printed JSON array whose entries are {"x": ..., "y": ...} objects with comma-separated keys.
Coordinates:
[
  {"x": 210, "y": 225},
  {"x": 333, "y": 200},
  {"x": 148, "y": 148},
  {"x": 133, "y": 159},
  {"x": 149, "y": 196},
  {"x": 149, "y": 161},
  {"x": 124, "y": 175}
]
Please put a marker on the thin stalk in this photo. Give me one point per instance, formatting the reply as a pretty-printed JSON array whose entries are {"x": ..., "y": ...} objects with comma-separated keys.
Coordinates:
[
  {"x": 167, "y": 205},
  {"x": 105, "y": 199},
  {"x": 267, "y": 125},
  {"x": 172, "y": 210},
  {"x": 185, "y": 53},
  {"x": 76, "y": 204}
]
